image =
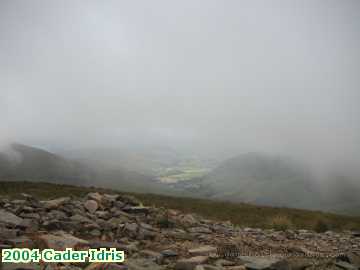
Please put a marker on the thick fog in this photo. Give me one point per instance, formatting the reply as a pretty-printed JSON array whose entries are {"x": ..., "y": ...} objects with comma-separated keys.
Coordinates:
[{"x": 216, "y": 77}]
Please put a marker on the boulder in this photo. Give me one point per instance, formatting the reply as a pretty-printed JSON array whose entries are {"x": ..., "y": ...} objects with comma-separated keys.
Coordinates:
[
  {"x": 95, "y": 196},
  {"x": 91, "y": 206},
  {"x": 9, "y": 218}
]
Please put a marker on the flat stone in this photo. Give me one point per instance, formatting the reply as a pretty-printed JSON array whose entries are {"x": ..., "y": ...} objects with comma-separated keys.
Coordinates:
[
  {"x": 203, "y": 251},
  {"x": 189, "y": 220},
  {"x": 111, "y": 197},
  {"x": 199, "y": 230},
  {"x": 60, "y": 241},
  {"x": 9, "y": 218},
  {"x": 6, "y": 233},
  {"x": 131, "y": 228},
  {"x": 223, "y": 262},
  {"x": 128, "y": 199},
  {"x": 181, "y": 236},
  {"x": 29, "y": 224},
  {"x": 119, "y": 205},
  {"x": 106, "y": 244},
  {"x": 147, "y": 226},
  {"x": 80, "y": 218},
  {"x": 56, "y": 214},
  {"x": 30, "y": 215},
  {"x": 56, "y": 225},
  {"x": 207, "y": 267},
  {"x": 54, "y": 204},
  {"x": 153, "y": 255},
  {"x": 144, "y": 234},
  {"x": 259, "y": 263},
  {"x": 95, "y": 233},
  {"x": 169, "y": 253},
  {"x": 191, "y": 263},
  {"x": 136, "y": 209},
  {"x": 142, "y": 264},
  {"x": 103, "y": 214},
  {"x": 114, "y": 222},
  {"x": 346, "y": 266}
]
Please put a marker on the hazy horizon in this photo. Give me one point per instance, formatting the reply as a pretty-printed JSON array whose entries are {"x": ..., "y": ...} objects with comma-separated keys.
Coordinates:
[{"x": 212, "y": 77}]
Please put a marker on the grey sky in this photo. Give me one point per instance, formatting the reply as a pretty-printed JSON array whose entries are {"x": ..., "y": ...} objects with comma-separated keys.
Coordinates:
[{"x": 228, "y": 76}]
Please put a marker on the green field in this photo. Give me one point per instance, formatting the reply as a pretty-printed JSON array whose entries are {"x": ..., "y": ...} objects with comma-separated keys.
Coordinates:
[{"x": 184, "y": 171}]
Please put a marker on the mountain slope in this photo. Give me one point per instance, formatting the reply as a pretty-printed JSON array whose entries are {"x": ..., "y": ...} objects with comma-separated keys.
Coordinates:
[
  {"x": 261, "y": 179},
  {"x": 20, "y": 162},
  {"x": 23, "y": 162},
  {"x": 277, "y": 181}
]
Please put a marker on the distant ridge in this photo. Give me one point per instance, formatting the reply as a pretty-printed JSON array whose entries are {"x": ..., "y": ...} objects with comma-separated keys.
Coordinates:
[{"x": 25, "y": 163}]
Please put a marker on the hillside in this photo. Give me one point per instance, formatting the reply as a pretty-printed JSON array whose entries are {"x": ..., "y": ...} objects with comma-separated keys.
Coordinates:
[
  {"x": 260, "y": 179},
  {"x": 276, "y": 181},
  {"x": 21, "y": 162}
]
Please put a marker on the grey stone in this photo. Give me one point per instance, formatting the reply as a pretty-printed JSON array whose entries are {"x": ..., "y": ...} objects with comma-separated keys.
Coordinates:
[
  {"x": 136, "y": 209},
  {"x": 191, "y": 263},
  {"x": 346, "y": 266},
  {"x": 56, "y": 203},
  {"x": 169, "y": 253},
  {"x": 260, "y": 263},
  {"x": 9, "y": 218},
  {"x": 91, "y": 206},
  {"x": 203, "y": 250},
  {"x": 142, "y": 264}
]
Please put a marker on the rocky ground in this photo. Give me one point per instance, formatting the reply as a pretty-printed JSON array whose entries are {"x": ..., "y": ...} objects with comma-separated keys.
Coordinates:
[{"x": 158, "y": 238}]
